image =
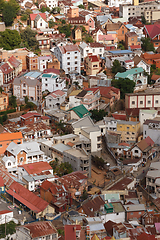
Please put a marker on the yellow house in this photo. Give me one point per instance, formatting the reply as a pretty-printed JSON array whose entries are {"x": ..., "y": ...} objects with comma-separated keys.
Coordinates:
[
  {"x": 129, "y": 130},
  {"x": 92, "y": 65},
  {"x": 3, "y": 101}
]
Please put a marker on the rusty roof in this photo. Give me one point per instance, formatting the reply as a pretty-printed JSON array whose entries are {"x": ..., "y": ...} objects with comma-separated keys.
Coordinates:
[
  {"x": 14, "y": 62},
  {"x": 36, "y": 167},
  {"x": 122, "y": 184}
]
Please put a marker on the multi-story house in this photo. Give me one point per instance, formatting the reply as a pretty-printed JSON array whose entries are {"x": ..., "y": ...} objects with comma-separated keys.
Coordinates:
[
  {"x": 69, "y": 57},
  {"x": 152, "y": 58},
  {"x": 129, "y": 130},
  {"x": 52, "y": 82},
  {"x": 4, "y": 101},
  {"x": 15, "y": 64},
  {"x": 54, "y": 99},
  {"x": 92, "y": 65},
  {"x": 135, "y": 74},
  {"x": 18, "y": 154},
  {"x": 30, "y": 87},
  {"x": 51, "y": 3},
  {"x": 73, "y": 12},
  {"x": 38, "y": 20},
  {"x": 37, "y": 230},
  {"x": 151, "y": 128},
  {"x": 116, "y": 3},
  {"x": 146, "y": 114},
  {"x": 141, "y": 62},
  {"x": 119, "y": 28},
  {"x": 91, "y": 48},
  {"x": 153, "y": 178},
  {"x": 44, "y": 41},
  {"x": 142, "y": 100},
  {"x": 131, "y": 39},
  {"x": 43, "y": 62},
  {"x": 32, "y": 61},
  {"x": 7, "y": 73},
  {"x": 153, "y": 32},
  {"x": 79, "y": 159},
  {"x": 89, "y": 98},
  {"x": 6, "y": 138}
]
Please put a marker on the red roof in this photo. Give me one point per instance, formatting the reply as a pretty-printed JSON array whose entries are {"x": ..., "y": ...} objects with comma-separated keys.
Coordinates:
[
  {"x": 6, "y": 68},
  {"x": 14, "y": 62},
  {"x": 128, "y": 61},
  {"x": 135, "y": 47},
  {"x": 30, "y": 114},
  {"x": 57, "y": 93},
  {"x": 123, "y": 144},
  {"x": 70, "y": 231},
  {"x": 34, "y": 15},
  {"x": 4, "y": 212},
  {"x": 146, "y": 237},
  {"x": 1, "y": 182},
  {"x": 69, "y": 48},
  {"x": 152, "y": 30},
  {"x": 106, "y": 90},
  {"x": 93, "y": 58},
  {"x": 29, "y": 199},
  {"x": 92, "y": 89},
  {"x": 52, "y": 70},
  {"x": 36, "y": 167},
  {"x": 149, "y": 141},
  {"x": 122, "y": 184},
  {"x": 39, "y": 229}
]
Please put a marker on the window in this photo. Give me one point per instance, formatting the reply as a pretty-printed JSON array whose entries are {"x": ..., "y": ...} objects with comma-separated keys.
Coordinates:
[
  {"x": 132, "y": 39},
  {"x": 149, "y": 102},
  {"x": 33, "y": 60},
  {"x": 133, "y": 102},
  {"x": 68, "y": 58},
  {"x": 0, "y": 145},
  {"x": 136, "y": 151},
  {"x": 122, "y": 32},
  {"x": 68, "y": 63},
  {"x": 127, "y": 132},
  {"x": 156, "y": 101},
  {"x": 4, "y": 100},
  {"x": 141, "y": 102},
  {"x": 9, "y": 163},
  {"x": 24, "y": 85},
  {"x": 94, "y": 65},
  {"x": 46, "y": 85},
  {"x": 75, "y": 62},
  {"x": 41, "y": 24},
  {"x": 100, "y": 50},
  {"x": 24, "y": 91}
]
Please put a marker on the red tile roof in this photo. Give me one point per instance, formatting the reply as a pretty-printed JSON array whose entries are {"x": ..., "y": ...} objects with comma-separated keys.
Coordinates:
[
  {"x": 135, "y": 47},
  {"x": 69, "y": 48},
  {"x": 6, "y": 69},
  {"x": 148, "y": 56},
  {"x": 36, "y": 167},
  {"x": 96, "y": 45},
  {"x": 39, "y": 229},
  {"x": 14, "y": 62},
  {"x": 52, "y": 70},
  {"x": 70, "y": 231},
  {"x": 93, "y": 58},
  {"x": 29, "y": 199},
  {"x": 122, "y": 184},
  {"x": 30, "y": 114},
  {"x": 1, "y": 182},
  {"x": 152, "y": 30},
  {"x": 4, "y": 212},
  {"x": 34, "y": 15},
  {"x": 57, "y": 93}
]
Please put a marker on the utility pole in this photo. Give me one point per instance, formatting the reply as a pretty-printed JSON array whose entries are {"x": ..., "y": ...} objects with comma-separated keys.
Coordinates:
[{"x": 5, "y": 226}]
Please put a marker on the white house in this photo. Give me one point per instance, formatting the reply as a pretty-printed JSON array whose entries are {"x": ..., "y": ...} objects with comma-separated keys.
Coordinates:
[
  {"x": 91, "y": 48},
  {"x": 116, "y": 3},
  {"x": 140, "y": 62},
  {"x": 69, "y": 58},
  {"x": 54, "y": 99},
  {"x": 40, "y": 22},
  {"x": 145, "y": 114},
  {"x": 52, "y": 82},
  {"x": 6, "y": 216},
  {"x": 42, "y": 62},
  {"x": 51, "y": 3}
]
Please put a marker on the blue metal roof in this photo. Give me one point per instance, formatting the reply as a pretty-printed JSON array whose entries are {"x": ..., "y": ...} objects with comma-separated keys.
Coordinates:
[
  {"x": 32, "y": 74},
  {"x": 120, "y": 51}
]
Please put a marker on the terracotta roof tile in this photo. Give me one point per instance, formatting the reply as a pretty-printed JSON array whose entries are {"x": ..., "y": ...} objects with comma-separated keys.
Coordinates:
[{"x": 36, "y": 167}]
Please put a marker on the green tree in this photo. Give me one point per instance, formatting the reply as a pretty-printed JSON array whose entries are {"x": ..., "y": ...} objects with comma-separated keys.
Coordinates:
[
  {"x": 66, "y": 29},
  {"x": 98, "y": 161},
  {"x": 143, "y": 19},
  {"x": 98, "y": 115},
  {"x": 10, "y": 39},
  {"x": 12, "y": 101},
  {"x": 124, "y": 84},
  {"x": 55, "y": 10},
  {"x": 15, "y": 5},
  {"x": 51, "y": 24},
  {"x": 9, "y": 14},
  {"x": 28, "y": 37},
  {"x": 117, "y": 67},
  {"x": 26, "y": 99},
  {"x": 88, "y": 39},
  {"x": 147, "y": 45},
  {"x": 81, "y": 6}
]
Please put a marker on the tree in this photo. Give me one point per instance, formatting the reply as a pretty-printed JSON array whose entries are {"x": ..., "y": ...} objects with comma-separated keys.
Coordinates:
[
  {"x": 10, "y": 39},
  {"x": 117, "y": 67},
  {"x": 29, "y": 39},
  {"x": 26, "y": 99},
  {"x": 88, "y": 39},
  {"x": 51, "y": 24},
  {"x": 9, "y": 14},
  {"x": 98, "y": 161},
  {"x": 124, "y": 84},
  {"x": 98, "y": 115},
  {"x": 44, "y": 9},
  {"x": 143, "y": 19},
  {"x": 147, "y": 45},
  {"x": 55, "y": 10},
  {"x": 81, "y": 6},
  {"x": 61, "y": 169},
  {"x": 66, "y": 29},
  {"x": 12, "y": 101}
]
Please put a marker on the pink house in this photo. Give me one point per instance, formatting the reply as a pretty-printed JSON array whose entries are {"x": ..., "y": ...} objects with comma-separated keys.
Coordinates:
[{"x": 91, "y": 23}]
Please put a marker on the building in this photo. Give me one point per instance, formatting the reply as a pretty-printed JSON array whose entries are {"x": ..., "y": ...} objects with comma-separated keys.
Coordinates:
[
  {"x": 6, "y": 216},
  {"x": 36, "y": 230},
  {"x": 152, "y": 58},
  {"x": 79, "y": 159},
  {"x": 52, "y": 4},
  {"x": 25, "y": 153},
  {"x": 151, "y": 129},
  {"x": 112, "y": 3},
  {"x": 131, "y": 39},
  {"x": 140, "y": 62},
  {"x": 32, "y": 61},
  {"x": 91, "y": 49},
  {"x": 134, "y": 211},
  {"x": 69, "y": 58},
  {"x": 153, "y": 33},
  {"x": 146, "y": 114},
  {"x": 152, "y": 15},
  {"x": 7, "y": 138},
  {"x": 142, "y": 100},
  {"x": 92, "y": 65},
  {"x": 153, "y": 178},
  {"x": 44, "y": 41},
  {"x": 54, "y": 99},
  {"x": 73, "y": 12},
  {"x": 129, "y": 130},
  {"x": 43, "y": 62},
  {"x": 136, "y": 74},
  {"x": 79, "y": 112},
  {"x": 7, "y": 73},
  {"x": 15, "y": 64},
  {"x": 127, "y": 10},
  {"x": 27, "y": 86},
  {"x": 4, "y": 101},
  {"x": 52, "y": 82},
  {"x": 38, "y": 20}
]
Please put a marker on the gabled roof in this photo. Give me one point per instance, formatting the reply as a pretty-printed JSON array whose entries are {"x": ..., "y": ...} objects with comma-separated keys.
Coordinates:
[
  {"x": 34, "y": 15},
  {"x": 152, "y": 30},
  {"x": 56, "y": 93},
  {"x": 122, "y": 184},
  {"x": 138, "y": 59},
  {"x": 145, "y": 143},
  {"x": 69, "y": 48},
  {"x": 30, "y": 114},
  {"x": 70, "y": 231},
  {"x": 80, "y": 110},
  {"x": 1, "y": 182},
  {"x": 10, "y": 136},
  {"x": 36, "y": 167},
  {"x": 6, "y": 69},
  {"x": 14, "y": 62},
  {"x": 129, "y": 72},
  {"x": 93, "y": 58}
]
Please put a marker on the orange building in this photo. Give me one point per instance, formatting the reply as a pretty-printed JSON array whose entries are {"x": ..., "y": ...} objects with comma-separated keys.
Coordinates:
[
  {"x": 3, "y": 101},
  {"x": 32, "y": 62},
  {"x": 7, "y": 138},
  {"x": 73, "y": 12},
  {"x": 119, "y": 28},
  {"x": 131, "y": 39},
  {"x": 152, "y": 59}
]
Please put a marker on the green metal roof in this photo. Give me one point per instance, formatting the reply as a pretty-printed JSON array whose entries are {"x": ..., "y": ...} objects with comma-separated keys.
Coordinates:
[
  {"x": 81, "y": 111},
  {"x": 129, "y": 72},
  {"x": 47, "y": 75}
]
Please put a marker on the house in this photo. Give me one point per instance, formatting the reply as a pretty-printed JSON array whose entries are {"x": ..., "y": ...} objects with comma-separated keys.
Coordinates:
[
  {"x": 33, "y": 174},
  {"x": 131, "y": 39},
  {"x": 79, "y": 112},
  {"x": 89, "y": 97},
  {"x": 30, "y": 118},
  {"x": 25, "y": 153},
  {"x": 140, "y": 62},
  {"x": 35, "y": 230},
  {"x": 7, "y": 138},
  {"x": 15, "y": 64},
  {"x": 7, "y": 73},
  {"x": 57, "y": 195},
  {"x": 134, "y": 211},
  {"x": 79, "y": 159},
  {"x": 69, "y": 58},
  {"x": 32, "y": 62},
  {"x": 135, "y": 74},
  {"x": 56, "y": 98},
  {"x": 73, "y": 12},
  {"x": 27, "y": 86},
  {"x": 152, "y": 58},
  {"x": 77, "y": 33},
  {"x": 146, "y": 114},
  {"x": 44, "y": 41},
  {"x": 52, "y": 82},
  {"x": 120, "y": 230},
  {"x": 109, "y": 95},
  {"x": 52, "y": 4},
  {"x": 94, "y": 225},
  {"x": 119, "y": 28},
  {"x": 74, "y": 232},
  {"x": 92, "y": 65},
  {"x": 43, "y": 62},
  {"x": 151, "y": 128},
  {"x": 96, "y": 33},
  {"x": 96, "y": 48},
  {"x": 38, "y": 20},
  {"x": 6, "y": 216},
  {"x": 4, "y": 101},
  {"x": 112, "y": 3},
  {"x": 129, "y": 130},
  {"x": 152, "y": 32}
]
